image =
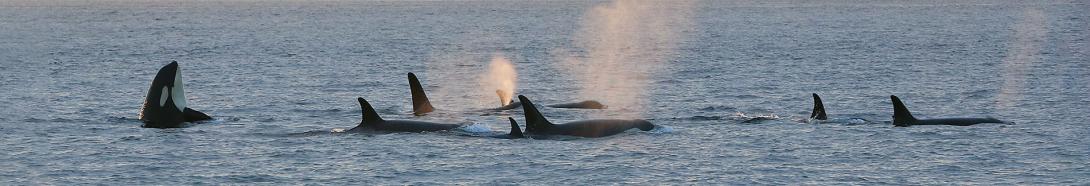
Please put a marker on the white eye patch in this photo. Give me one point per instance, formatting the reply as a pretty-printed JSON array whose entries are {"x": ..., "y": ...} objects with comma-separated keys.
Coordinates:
[{"x": 163, "y": 96}]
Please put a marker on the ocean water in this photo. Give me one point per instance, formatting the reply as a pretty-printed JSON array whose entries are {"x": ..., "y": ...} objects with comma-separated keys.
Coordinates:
[{"x": 279, "y": 75}]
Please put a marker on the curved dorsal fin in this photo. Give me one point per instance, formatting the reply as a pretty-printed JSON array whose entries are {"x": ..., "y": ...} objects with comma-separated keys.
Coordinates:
[
  {"x": 421, "y": 105},
  {"x": 534, "y": 119},
  {"x": 370, "y": 117},
  {"x": 819, "y": 109},
  {"x": 515, "y": 130},
  {"x": 901, "y": 115}
]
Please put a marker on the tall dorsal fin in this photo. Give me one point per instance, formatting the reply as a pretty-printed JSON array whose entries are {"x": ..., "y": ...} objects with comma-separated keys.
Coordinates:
[
  {"x": 370, "y": 117},
  {"x": 901, "y": 115},
  {"x": 421, "y": 105},
  {"x": 534, "y": 119},
  {"x": 515, "y": 130},
  {"x": 819, "y": 109}
]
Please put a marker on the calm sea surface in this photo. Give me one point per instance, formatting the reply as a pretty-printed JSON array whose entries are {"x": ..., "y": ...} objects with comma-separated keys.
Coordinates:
[{"x": 278, "y": 76}]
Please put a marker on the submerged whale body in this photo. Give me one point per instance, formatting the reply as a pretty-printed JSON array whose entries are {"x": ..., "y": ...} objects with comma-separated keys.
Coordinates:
[
  {"x": 507, "y": 103},
  {"x": 536, "y": 124},
  {"x": 588, "y": 104},
  {"x": 371, "y": 121},
  {"x": 903, "y": 118},
  {"x": 165, "y": 104}
]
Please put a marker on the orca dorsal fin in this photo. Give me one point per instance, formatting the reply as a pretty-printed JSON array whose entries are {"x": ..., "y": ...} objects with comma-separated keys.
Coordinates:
[
  {"x": 370, "y": 117},
  {"x": 515, "y": 130},
  {"x": 534, "y": 119},
  {"x": 901, "y": 115},
  {"x": 421, "y": 105},
  {"x": 819, "y": 109}
]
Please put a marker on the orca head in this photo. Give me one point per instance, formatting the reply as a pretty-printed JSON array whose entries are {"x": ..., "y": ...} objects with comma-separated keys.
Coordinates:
[{"x": 165, "y": 101}]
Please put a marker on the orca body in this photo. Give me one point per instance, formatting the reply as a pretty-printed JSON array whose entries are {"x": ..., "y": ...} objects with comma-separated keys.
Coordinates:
[
  {"x": 536, "y": 124},
  {"x": 903, "y": 118},
  {"x": 588, "y": 104},
  {"x": 508, "y": 104},
  {"x": 165, "y": 104},
  {"x": 421, "y": 105},
  {"x": 515, "y": 133},
  {"x": 373, "y": 122}
]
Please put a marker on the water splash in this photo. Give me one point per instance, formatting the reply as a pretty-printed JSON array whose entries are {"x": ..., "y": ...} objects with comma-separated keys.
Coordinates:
[
  {"x": 626, "y": 43},
  {"x": 476, "y": 128},
  {"x": 1022, "y": 53},
  {"x": 502, "y": 78}
]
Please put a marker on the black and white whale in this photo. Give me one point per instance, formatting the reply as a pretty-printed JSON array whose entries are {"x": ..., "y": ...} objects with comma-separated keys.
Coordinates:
[
  {"x": 515, "y": 133},
  {"x": 512, "y": 104},
  {"x": 903, "y": 118},
  {"x": 537, "y": 125},
  {"x": 818, "y": 115},
  {"x": 372, "y": 122},
  {"x": 165, "y": 105}
]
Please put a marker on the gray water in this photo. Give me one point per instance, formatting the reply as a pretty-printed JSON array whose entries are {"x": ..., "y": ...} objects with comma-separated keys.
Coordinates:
[{"x": 278, "y": 75}]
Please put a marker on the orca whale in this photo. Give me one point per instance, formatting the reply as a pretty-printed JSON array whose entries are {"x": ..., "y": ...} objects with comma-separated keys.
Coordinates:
[
  {"x": 371, "y": 121},
  {"x": 421, "y": 105},
  {"x": 588, "y": 104},
  {"x": 165, "y": 105},
  {"x": 506, "y": 102},
  {"x": 512, "y": 104},
  {"x": 536, "y": 124},
  {"x": 515, "y": 133},
  {"x": 903, "y": 118},
  {"x": 819, "y": 109},
  {"x": 818, "y": 115}
]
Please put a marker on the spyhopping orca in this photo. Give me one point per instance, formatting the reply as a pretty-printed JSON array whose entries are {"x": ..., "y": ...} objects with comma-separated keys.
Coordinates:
[
  {"x": 536, "y": 124},
  {"x": 903, "y": 118},
  {"x": 373, "y": 122},
  {"x": 515, "y": 133},
  {"x": 165, "y": 106},
  {"x": 507, "y": 103},
  {"x": 421, "y": 105}
]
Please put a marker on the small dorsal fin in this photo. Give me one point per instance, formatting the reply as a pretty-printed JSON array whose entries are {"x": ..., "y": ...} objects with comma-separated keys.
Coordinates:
[
  {"x": 819, "y": 109},
  {"x": 515, "y": 130},
  {"x": 534, "y": 119},
  {"x": 901, "y": 115},
  {"x": 421, "y": 105},
  {"x": 370, "y": 117}
]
